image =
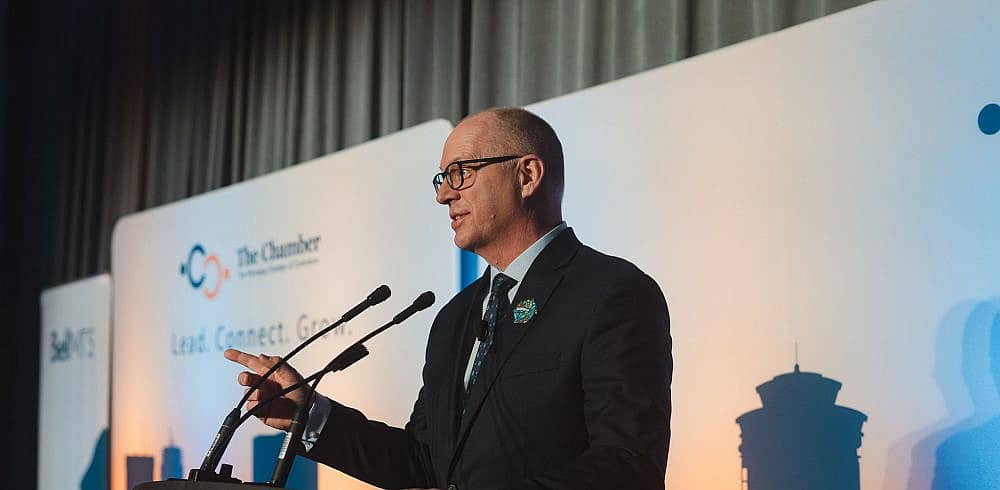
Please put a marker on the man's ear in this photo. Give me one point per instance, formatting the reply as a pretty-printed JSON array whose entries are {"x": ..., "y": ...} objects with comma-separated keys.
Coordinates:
[{"x": 530, "y": 173}]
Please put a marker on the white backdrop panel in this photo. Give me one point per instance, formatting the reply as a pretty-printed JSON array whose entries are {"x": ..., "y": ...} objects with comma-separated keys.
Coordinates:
[
  {"x": 73, "y": 385},
  {"x": 256, "y": 266},
  {"x": 828, "y": 185}
]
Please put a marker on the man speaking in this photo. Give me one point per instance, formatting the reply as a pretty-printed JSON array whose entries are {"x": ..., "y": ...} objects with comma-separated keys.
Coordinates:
[{"x": 551, "y": 371}]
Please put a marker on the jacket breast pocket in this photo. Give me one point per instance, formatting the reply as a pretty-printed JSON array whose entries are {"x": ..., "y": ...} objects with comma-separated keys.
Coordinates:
[
  {"x": 530, "y": 383},
  {"x": 536, "y": 364}
]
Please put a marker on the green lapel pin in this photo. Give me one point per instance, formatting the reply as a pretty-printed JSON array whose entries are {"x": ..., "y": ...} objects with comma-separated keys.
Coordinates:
[{"x": 525, "y": 311}]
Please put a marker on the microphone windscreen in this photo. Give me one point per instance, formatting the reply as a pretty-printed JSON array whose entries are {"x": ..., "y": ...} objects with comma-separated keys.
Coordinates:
[
  {"x": 379, "y": 295},
  {"x": 424, "y": 300},
  {"x": 481, "y": 330}
]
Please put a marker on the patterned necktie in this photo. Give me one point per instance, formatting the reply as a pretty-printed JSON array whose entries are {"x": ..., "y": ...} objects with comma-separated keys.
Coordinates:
[{"x": 498, "y": 303}]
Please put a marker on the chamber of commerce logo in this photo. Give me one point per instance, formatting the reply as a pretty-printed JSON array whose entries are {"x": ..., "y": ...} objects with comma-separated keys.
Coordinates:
[{"x": 204, "y": 271}]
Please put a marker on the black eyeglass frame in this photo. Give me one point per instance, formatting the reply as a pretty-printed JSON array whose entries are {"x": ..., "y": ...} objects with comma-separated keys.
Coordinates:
[{"x": 442, "y": 177}]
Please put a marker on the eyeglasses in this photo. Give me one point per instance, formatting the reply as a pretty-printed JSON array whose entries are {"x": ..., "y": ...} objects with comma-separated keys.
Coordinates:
[{"x": 460, "y": 174}]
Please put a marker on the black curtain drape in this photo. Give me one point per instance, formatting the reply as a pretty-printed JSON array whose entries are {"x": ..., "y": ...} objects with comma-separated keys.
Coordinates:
[{"x": 111, "y": 106}]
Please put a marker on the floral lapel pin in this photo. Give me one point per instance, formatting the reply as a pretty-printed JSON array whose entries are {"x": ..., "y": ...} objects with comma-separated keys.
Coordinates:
[{"x": 525, "y": 311}]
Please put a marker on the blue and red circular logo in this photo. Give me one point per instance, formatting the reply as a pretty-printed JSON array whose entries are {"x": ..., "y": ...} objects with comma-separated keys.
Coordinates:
[{"x": 204, "y": 271}]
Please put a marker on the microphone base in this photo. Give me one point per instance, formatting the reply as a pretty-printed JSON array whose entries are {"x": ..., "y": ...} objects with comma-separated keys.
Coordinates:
[
  {"x": 198, "y": 474},
  {"x": 173, "y": 484}
]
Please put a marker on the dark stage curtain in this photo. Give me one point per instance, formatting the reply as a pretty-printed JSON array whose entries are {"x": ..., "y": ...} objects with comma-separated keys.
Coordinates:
[{"x": 116, "y": 106}]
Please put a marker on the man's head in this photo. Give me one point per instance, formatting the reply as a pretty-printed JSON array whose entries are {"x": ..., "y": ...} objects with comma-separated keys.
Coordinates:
[{"x": 502, "y": 205}]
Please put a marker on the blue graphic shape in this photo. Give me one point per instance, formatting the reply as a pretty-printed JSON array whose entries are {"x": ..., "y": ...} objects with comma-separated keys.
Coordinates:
[
  {"x": 265, "y": 452},
  {"x": 171, "y": 465},
  {"x": 989, "y": 119},
  {"x": 468, "y": 268},
  {"x": 138, "y": 469},
  {"x": 801, "y": 438},
  {"x": 96, "y": 476},
  {"x": 968, "y": 456}
]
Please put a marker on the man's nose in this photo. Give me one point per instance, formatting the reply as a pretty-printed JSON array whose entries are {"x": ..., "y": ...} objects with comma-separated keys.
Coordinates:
[{"x": 446, "y": 194}]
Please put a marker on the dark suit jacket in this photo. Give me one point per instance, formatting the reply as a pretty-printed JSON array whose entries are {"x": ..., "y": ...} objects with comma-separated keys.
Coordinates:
[{"x": 578, "y": 397}]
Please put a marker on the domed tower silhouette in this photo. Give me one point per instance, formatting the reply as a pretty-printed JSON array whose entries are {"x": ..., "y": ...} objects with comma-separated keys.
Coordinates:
[{"x": 801, "y": 439}]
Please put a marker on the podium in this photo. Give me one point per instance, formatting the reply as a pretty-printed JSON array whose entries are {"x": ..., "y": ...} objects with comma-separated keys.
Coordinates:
[{"x": 197, "y": 485}]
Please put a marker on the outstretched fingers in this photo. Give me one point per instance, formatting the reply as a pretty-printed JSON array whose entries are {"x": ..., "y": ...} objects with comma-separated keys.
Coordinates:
[
  {"x": 259, "y": 363},
  {"x": 246, "y": 378}
]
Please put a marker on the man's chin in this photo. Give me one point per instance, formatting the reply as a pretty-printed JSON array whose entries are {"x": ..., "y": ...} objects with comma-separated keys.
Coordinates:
[{"x": 464, "y": 243}]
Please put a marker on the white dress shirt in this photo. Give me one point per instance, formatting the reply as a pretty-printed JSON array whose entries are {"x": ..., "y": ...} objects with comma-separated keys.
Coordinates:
[{"x": 516, "y": 270}]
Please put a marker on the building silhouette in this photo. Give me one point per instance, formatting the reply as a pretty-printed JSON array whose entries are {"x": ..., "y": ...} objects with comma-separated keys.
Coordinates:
[
  {"x": 801, "y": 439},
  {"x": 138, "y": 469},
  {"x": 96, "y": 476},
  {"x": 265, "y": 452},
  {"x": 171, "y": 465}
]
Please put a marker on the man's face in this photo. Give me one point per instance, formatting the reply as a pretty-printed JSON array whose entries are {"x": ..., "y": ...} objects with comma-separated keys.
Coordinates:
[{"x": 481, "y": 213}]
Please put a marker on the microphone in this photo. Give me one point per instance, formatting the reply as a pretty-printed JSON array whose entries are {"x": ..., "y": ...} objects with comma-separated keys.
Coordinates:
[
  {"x": 354, "y": 353},
  {"x": 423, "y": 301},
  {"x": 481, "y": 329},
  {"x": 207, "y": 470},
  {"x": 293, "y": 440},
  {"x": 379, "y": 295},
  {"x": 347, "y": 357}
]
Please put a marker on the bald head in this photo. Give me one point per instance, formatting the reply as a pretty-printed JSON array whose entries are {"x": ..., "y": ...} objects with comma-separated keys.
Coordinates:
[
  {"x": 515, "y": 131},
  {"x": 500, "y": 206}
]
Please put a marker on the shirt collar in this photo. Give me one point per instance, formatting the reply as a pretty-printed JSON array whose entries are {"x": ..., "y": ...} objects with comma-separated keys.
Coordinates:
[{"x": 519, "y": 267}]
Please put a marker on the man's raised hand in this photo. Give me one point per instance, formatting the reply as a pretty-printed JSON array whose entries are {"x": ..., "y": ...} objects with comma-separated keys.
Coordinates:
[{"x": 279, "y": 413}]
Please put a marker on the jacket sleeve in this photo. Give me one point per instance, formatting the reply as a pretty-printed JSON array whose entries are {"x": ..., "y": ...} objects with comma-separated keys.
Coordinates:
[
  {"x": 626, "y": 370},
  {"x": 376, "y": 453}
]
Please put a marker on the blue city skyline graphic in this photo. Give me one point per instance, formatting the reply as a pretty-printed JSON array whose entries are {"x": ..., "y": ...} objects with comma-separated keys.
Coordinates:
[
  {"x": 96, "y": 476},
  {"x": 265, "y": 452},
  {"x": 171, "y": 465},
  {"x": 139, "y": 468},
  {"x": 800, "y": 438}
]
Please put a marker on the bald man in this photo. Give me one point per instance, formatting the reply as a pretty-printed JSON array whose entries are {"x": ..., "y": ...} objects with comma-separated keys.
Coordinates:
[{"x": 551, "y": 371}]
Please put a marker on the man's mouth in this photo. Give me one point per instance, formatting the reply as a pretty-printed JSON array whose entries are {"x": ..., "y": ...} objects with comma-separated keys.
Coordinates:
[{"x": 457, "y": 219}]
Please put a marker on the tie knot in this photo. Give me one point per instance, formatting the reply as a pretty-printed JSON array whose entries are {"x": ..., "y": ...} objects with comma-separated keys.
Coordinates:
[{"x": 501, "y": 284}]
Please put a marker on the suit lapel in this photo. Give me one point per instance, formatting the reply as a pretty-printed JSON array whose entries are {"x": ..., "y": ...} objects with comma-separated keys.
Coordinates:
[{"x": 542, "y": 278}]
